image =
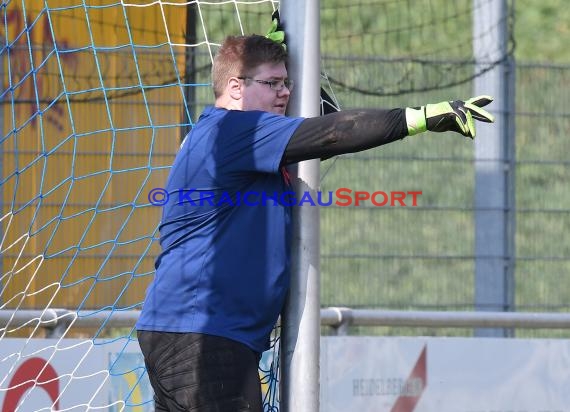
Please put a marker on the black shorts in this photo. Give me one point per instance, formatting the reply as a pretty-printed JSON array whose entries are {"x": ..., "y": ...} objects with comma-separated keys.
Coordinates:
[{"x": 201, "y": 373}]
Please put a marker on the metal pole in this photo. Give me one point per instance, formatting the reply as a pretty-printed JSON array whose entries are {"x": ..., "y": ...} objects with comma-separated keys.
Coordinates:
[
  {"x": 494, "y": 161},
  {"x": 300, "y": 334},
  {"x": 339, "y": 317}
]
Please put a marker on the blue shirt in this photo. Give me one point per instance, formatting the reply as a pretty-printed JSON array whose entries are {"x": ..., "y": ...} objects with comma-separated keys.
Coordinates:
[{"x": 225, "y": 234}]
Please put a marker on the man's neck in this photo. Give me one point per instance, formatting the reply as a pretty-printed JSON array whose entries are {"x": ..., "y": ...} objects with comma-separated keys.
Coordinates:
[{"x": 225, "y": 102}]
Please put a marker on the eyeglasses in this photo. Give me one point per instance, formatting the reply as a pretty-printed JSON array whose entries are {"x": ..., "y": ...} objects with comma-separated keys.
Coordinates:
[{"x": 276, "y": 85}]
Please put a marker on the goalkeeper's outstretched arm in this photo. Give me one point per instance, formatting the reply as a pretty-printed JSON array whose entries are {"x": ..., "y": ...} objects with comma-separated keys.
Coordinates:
[{"x": 356, "y": 130}]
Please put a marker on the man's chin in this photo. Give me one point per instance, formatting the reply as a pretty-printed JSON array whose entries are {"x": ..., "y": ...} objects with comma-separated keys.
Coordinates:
[{"x": 279, "y": 110}]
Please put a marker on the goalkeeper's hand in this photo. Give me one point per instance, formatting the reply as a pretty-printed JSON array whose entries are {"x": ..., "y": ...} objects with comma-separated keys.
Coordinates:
[
  {"x": 456, "y": 116},
  {"x": 276, "y": 32}
]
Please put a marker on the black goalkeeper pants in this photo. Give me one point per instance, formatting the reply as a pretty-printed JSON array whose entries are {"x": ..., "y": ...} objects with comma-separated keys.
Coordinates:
[{"x": 194, "y": 372}]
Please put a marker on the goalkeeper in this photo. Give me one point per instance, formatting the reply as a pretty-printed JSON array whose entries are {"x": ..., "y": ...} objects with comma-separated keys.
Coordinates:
[{"x": 223, "y": 271}]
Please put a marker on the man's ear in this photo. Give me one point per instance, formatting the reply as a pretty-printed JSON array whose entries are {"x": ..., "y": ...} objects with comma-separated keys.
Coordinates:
[{"x": 234, "y": 87}]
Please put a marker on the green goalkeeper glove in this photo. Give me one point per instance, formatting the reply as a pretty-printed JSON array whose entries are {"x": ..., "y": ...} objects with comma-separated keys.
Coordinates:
[
  {"x": 276, "y": 32},
  {"x": 456, "y": 116}
]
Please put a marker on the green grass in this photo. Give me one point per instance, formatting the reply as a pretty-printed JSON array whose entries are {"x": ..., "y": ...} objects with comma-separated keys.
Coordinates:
[{"x": 542, "y": 29}]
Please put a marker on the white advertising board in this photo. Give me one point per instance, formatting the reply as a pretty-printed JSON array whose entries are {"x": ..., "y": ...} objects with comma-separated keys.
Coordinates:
[
  {"x": 444, "y": 375},
  {"x": 72, "y": 374},
  {"x": 361, "y": 374}
]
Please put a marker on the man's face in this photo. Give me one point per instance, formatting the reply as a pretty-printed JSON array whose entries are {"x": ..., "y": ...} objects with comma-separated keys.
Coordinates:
[{"x": 257, "y": 95}]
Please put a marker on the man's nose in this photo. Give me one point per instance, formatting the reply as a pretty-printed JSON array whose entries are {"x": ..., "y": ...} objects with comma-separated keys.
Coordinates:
[{"x": 284, "y": 92}]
